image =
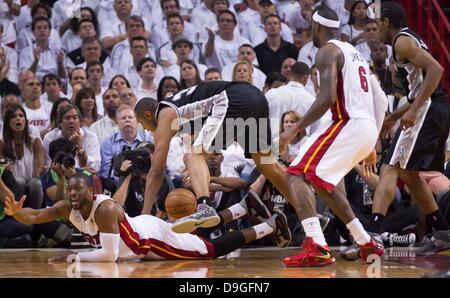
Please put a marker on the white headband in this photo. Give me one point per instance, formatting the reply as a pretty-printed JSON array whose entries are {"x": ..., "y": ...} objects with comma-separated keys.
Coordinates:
[{"x": 325, "y": 22}]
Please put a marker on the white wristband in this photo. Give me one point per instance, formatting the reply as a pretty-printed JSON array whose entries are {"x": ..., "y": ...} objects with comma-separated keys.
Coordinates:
[{"x": 72, "y": 258}]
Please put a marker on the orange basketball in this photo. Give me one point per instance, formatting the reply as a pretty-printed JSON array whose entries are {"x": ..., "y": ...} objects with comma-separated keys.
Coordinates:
[{"x": 180, "y": 202}]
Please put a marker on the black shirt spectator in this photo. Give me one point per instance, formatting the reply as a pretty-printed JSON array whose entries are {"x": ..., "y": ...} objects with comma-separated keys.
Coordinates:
[
  {"x": 269, "y": 60},
  {"x": 78, "y": 59}
]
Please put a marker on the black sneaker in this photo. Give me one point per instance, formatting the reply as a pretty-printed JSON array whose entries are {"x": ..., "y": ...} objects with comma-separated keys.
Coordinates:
[
  {"x": 205, "y": 217},
  {"x": 282, "y": 235},
  {"x": 255, "y": 207},
  {"x": 351, "y": 253},
  {"x": 394, "y": 239},
  {"x": 436, "y": 242}
]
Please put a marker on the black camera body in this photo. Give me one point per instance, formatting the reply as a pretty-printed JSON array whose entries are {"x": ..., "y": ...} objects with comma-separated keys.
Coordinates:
[
  {"x": 64, "y": 158},
  {"x": 140, "y": 161}
]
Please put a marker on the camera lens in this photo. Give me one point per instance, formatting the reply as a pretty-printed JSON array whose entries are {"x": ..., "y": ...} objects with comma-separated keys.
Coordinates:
[{"x": 68, "y": 161}]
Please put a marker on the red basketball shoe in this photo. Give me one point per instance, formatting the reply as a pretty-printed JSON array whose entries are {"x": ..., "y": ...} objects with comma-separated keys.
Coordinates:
[
  {"x": 311, "y": 255},
  {"x": 374, "y": 246}
]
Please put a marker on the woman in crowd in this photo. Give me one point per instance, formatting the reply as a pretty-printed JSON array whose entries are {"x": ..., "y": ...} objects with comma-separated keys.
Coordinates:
[
  {"x": 119, "y": 82},
  {"x": 189, "y": 74},
  {"x": 354, "y": 31},
  {"x": 167, "y": 87},
  {"x": 242, "y": 72},
  {"x": 85, "y": 102},
  {"x": 24, "y": 153},
  {"x": 289, "y": 151}
]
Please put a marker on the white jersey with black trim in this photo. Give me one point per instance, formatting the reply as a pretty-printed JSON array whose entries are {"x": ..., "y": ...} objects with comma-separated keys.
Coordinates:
[{"x": 354, "y": 93}]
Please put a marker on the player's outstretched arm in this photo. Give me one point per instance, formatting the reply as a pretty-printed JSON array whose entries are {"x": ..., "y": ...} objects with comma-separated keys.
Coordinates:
[
  {"x": 162, "y": 136},
  {"x": 36, "y": 216}
]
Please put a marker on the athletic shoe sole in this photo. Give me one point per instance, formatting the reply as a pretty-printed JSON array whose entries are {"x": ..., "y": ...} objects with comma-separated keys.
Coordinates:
[
  {"x": 191, "y": 224},
  {"x": 258, "y": 206},
  {"x": 306, "y": 264}
]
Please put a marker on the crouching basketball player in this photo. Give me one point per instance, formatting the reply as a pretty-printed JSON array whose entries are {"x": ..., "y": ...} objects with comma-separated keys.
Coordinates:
[{"x": 104, "y": 224}]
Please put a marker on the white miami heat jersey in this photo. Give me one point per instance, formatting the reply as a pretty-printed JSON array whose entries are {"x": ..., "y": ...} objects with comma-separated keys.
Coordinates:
[
  {"x": 143, "y": 236},
  {"x": 354, "y": 94}
]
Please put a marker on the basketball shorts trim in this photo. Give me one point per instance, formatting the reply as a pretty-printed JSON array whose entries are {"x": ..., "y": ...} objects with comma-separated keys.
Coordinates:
[{"x": 333, "y": 150}]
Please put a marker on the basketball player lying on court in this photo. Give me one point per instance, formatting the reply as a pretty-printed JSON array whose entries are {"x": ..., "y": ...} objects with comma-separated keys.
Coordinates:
[{"x": 104, "y": 224}]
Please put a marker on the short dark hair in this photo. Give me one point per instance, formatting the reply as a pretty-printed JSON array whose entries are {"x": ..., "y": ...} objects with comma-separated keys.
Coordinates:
[
  {"x": 51, "y": 77},
  {"x": 89, "y": 40},
  {"x": 176, "y": 1},
  {"x": 39, "y": 5},
  {"x": 146, "y": 104},
  {"x": 370, "y": 21},
  {"x": 76, "y": 68},
  {"x": 211, "y": 70},
  {"x": 38, "y": 19},
  {"x": 143, "y": 61},
  {"x": 85, "y": 176},
  {"x": 395, "y": 13},
  {"x": 228, "y": 12},
  {"x": 85, "y": 21},
  {"x": 175, "y": 15},
  {"x": 61, "y": 144},
  {"x": 92, "y": 64},
  {"x": 138, "y": 38},
  {"x": 300, "y": 69},
  {"x": 135, "y": 18},
  {"x": 275, "y": 76},
  {"x": 246, "y": 45},
  {"x": 272, "y": 16}
]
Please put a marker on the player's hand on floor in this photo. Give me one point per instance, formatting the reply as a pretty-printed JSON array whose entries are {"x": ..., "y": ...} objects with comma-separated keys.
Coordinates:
[{"x": 62, "y": 257}]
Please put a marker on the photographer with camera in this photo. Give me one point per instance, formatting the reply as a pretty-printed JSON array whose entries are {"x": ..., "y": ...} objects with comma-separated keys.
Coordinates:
[
  {"x": 87, "y": 153},
  {"x": 62, "y": 153},
  {"x": 128, "y": 135},
  {"x": 132, "y": 167}
]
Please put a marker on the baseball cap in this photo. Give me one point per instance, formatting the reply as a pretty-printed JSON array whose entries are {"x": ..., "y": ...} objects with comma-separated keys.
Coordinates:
[{"x": 182, "y": 40}]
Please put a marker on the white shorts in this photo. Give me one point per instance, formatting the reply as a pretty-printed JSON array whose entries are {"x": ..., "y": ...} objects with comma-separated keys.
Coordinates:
[
  {"x": 333, "y": 150},
  {"x": 151, "y": 237}
]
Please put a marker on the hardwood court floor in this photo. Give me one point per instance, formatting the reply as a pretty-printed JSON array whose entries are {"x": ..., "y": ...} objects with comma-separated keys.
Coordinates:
[{"x": 254, "y": 262}]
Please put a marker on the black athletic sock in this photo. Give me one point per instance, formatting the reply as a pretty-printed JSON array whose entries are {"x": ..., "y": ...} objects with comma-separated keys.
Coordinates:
[
  {"x": 204, "y": 200},
  {"x": 227, "y": 243},
  {"x": 436, "y": 220},
  {"x": 376, "y": 223}
]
